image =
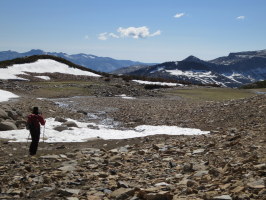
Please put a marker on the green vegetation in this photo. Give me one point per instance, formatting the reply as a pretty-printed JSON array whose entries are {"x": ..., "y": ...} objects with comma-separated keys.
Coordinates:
[
  {"x": 259, "y": 84},
  {"x": 61, "y": 92},
  {"x": 211, "y": 94},
  {"x": 50, "y": 89}
]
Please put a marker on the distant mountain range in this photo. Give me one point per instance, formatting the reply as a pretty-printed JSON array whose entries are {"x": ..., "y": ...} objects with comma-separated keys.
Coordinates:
[
  {"x": 233, "y": 70},
  {"x": 101, "y": 64}
]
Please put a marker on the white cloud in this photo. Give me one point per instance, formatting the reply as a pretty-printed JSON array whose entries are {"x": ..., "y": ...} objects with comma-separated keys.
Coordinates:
[
  {"x": 133, "y": 32},
  {"x": 156, "y": 33},
  {"x": 113, "y": 35},
  {"x": 103, "y": 36},
  {"x": 137, "y": 32},
  {"x": 178, "y": 15},
  {"x": 86, "y": 37},
  {"x": 241, "y": 17}
]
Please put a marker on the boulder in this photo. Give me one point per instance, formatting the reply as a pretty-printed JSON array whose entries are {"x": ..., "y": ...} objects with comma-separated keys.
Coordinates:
[
  {"x": 6, "y": 126},
  {"x": 12, "y": 114},
  {"x": 21, "y": 123},
  {"x": 3, "y": 114},
  {"x": 82, "y": 112},
  {"x": 188, "y": 167},
  {"x": 60, "y": 119},
  {"x": 201, "y": 173},
  {"x": 257, "y": 184},
  {"x": 122, "y": 193},
  {"x": 70, "y": 124},
  {"x": 162, "y": 195},
  {"x": 68, "y": 192},
  {"x": 60, "y": 128}
]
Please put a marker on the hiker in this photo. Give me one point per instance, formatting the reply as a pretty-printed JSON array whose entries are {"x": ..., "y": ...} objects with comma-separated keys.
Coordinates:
[{"x": 33, "y": 125}]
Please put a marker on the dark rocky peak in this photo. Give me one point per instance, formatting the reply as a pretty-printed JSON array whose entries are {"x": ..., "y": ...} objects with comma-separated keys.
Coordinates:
[{"x": 193, "y": 59}]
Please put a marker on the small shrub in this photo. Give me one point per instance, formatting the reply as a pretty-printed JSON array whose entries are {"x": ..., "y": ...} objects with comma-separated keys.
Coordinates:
[{"x": 153, "y": 87}]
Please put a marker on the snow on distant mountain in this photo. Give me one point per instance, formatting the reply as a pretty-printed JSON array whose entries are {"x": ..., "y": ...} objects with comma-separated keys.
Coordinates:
[
  {"x": 237, "y": 57},
  {"x": 233, "y": 70},
  {"x": 101, "y": 64},
  {"x": 41, "y": 66}
]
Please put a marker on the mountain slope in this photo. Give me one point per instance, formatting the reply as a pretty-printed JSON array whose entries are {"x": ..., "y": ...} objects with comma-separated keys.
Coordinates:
[
  {"x": 13, "y": 69},
  {"x": 102, "y": 64},
  {"x": 232, "y": 71}
]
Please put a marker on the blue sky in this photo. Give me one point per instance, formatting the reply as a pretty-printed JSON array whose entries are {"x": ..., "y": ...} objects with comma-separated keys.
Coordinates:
[{"x": 140, "y": 30}]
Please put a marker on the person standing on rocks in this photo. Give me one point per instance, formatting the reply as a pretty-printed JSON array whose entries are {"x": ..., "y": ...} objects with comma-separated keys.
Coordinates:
[{"x": 33, "y": 125}]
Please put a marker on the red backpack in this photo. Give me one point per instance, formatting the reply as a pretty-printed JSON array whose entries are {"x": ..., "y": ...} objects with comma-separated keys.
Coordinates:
[{"x": 32, "y": 122}]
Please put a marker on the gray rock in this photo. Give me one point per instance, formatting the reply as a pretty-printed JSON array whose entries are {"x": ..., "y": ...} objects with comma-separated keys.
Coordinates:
[
  {"x": 68, "y": 192},
  {"x": 161, "y": 184},
  {"x": 201, "y": 173},
  {"x": 198, "y": 151},
  {"x": 188, "y": 167},
  {"x": 223, "y": 197},
  {"x": 21, "y": 123},
  {"x": 82, "y": 112},
  {"x": 123, "y": 149},
  {"x": 257, "y": 184},
  {"x": 122, "y": 193},
  {"x": 6, "y": 126},
  {"x": 69, "y": 166},
  {"x": 214, "y": 172},
  {"x": 51, "y": 157},
  {"x": 260, "y": 166},
  {"x": 60, "y": 119},
  {"x": 191, "y": 183},
  {"x": 3, "y": 114},
  {"x": 122, "y": 184},
  {"x": 158, "y": 196},
  {"x": 61, "y": 128},
  {"x": 72, "y": 198},
  {"x": 12, "y": 114},
  {"x": 70, "y": 124}
]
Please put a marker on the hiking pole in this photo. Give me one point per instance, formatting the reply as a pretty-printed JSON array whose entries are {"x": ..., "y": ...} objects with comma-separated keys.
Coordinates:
[
  {"x": 43, "y": 133},
  {"x": 27, "y": 140}
]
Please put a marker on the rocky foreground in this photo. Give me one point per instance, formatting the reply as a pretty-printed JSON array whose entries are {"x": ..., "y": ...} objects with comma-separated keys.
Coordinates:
[{"x": 229, "y": 163}]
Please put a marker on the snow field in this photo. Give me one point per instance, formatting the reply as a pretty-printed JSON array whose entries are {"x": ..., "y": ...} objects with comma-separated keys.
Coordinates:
[
  {"x": 5, "y": 95},
  {"x": 83, "y": 133},
  {"x": 41, "y": 66},
  {"x": 157, "y": 83}
]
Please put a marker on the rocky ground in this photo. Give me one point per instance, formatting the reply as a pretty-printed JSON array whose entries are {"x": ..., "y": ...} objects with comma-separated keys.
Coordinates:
[{"x": 228, "y": 163}]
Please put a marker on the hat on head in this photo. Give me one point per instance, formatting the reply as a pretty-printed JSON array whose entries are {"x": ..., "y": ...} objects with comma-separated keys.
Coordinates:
[{"x": 35, "y": 110}]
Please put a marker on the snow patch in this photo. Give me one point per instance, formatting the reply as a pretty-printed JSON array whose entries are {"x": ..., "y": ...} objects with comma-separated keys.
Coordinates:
[
  {"x": 123, "y": 96},
  {"x": 44, "y": 77},
  {"x": 157, "y": 83},
  {"x": 5, "y": 95},
  {"x": 193, "y": 74},
  {"x": 157, "y": 70},
  {"x": 41, "y": 66},
  {"x": 233, "y": 76},
  {"x": 83, "y": 133}
]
